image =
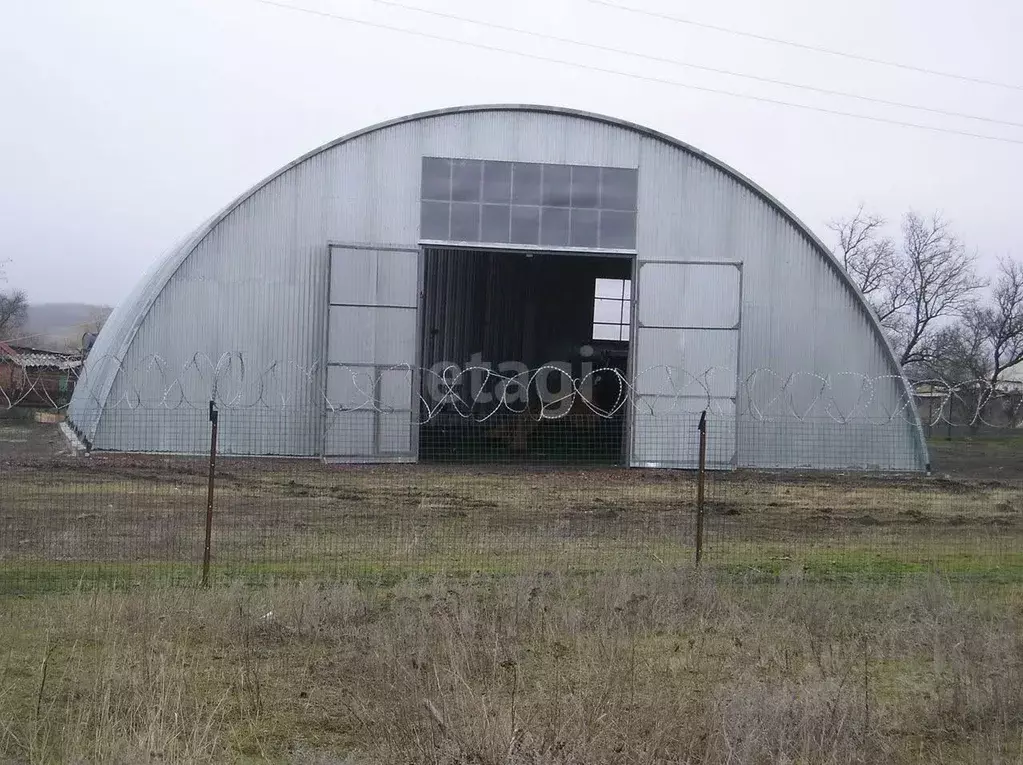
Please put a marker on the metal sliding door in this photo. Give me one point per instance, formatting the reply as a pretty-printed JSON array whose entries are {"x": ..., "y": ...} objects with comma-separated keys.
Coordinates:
[
  {"x": 371, "y": 354},
  {"x": 686, "y": 361}
]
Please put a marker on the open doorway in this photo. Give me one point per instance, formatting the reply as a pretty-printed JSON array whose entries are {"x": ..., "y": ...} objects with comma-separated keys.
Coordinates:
[{"x": 524, "y": 356}]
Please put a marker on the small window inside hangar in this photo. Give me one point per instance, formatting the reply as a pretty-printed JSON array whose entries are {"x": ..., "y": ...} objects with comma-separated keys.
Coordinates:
[{"x": 612, "y": 314}]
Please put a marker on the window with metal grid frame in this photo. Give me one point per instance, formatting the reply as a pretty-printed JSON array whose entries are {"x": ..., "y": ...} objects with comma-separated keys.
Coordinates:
[
  {"x": 527, "y": 203},
  {"x": 612, "y": 309}
]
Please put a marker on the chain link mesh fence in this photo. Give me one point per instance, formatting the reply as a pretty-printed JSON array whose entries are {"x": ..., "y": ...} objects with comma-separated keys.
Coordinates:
[{"x": 515, "y": 496}]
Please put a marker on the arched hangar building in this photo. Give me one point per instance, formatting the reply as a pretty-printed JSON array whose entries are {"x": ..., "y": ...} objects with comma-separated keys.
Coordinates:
[{"x": 339, "y": 308}]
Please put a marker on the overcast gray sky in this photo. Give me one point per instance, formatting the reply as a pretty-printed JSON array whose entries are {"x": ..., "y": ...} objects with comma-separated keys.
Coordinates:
[{"x": 125, "y": 123}]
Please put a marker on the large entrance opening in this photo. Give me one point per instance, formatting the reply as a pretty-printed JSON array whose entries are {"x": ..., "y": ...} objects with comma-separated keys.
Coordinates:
[{"x": 524, "y": 356}]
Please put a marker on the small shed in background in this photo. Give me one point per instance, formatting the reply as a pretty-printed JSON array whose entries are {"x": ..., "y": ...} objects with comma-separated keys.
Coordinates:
[{"x": 31, "y": 377}]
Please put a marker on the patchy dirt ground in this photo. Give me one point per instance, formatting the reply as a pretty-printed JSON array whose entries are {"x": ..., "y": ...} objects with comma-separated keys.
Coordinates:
[
  {"x": 983, "y": 459},
  {"x": 287, "y": 515},
  {"x": 26, "y": 439},
  {"x": 980, "y": 459},
  {"x": 293, "y": 516}
]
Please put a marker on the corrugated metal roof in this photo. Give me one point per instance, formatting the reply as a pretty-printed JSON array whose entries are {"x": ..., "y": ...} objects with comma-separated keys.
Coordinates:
[{"x": 28, "y": 358}]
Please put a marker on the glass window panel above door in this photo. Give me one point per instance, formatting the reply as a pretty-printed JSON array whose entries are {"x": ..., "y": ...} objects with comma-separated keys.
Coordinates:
[
  {"x": 617, "y": 230},
  {"x": 435, "y": 220},
  {"x": 466, "y": 180},
  {"x": 526, "y": 182},
  {"x": 573, "y": 206},
  {"x": 465, "y": 222},
  {"x": 496, "y": 226},
  {"x": 586, "y": 187},
  {"x": 584, "y": 228},
  {"x": 557, "y": 186},
  {"x": 436, "y": 182},
  {"x": 554, "y": 227},
  {"x": 525, "y": 225},
  {"x": 618, "y": 189},
  {"x": 497, "y": 182}
]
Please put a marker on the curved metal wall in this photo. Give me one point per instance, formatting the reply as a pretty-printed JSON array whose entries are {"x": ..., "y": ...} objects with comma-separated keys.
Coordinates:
[{"x": 253, "y": 280}]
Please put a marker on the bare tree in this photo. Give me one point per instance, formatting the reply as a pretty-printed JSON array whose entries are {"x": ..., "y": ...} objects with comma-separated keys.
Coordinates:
[
  {"x": 940, "y": 282},
  {"x": 973, "y": 353},
  {"x": 867, "y": 255},
  {"x": 13, "y": 312},
  {"x": 876, "y": 267},
  {"x": 13, "y": 307},
  {"x": 957, "y": 352},
  {"x": 914, "y": 290},
  {"x": 1002, "y": 322}
]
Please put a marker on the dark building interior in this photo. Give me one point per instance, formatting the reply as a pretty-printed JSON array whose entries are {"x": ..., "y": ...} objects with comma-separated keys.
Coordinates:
[{"x": 534, "y": 321}]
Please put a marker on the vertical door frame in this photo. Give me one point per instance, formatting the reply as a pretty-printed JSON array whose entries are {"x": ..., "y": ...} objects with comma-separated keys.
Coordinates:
[
  {"x": 635, "y": 339},
  {"x": 412, "y": 455}
]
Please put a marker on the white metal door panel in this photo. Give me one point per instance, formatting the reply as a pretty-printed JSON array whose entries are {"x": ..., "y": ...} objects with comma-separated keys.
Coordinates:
[
  {"x": 372, "y": 277},
  {"x": 703, "y": 295},
  {"x": 393, "y": 387},
  {"x": 371, "y": 353},
  {"x": 351, "y": 388},
  {"x": 685, "y": 360},
  {"x": 372, "y": 336}
]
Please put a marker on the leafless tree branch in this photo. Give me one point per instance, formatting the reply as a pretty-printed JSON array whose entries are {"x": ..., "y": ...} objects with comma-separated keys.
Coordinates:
[
  {"x": 939, "y": 281},
  {"x": 915, "y": 289},
  {"x": 13, "y": 307},
  {"x": 13, "y": 312},
  {"x": 1003, "y": 319},
  {"x": 982, "y": 344},
  {"x": 867, "y": 255}
]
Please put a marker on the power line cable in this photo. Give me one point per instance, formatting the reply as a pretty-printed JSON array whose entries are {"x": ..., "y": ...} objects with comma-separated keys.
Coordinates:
[
  {"x": 631, "y": 75},
  {"x": 808, "y": 47},
  {"x": 689, "y": 65}
]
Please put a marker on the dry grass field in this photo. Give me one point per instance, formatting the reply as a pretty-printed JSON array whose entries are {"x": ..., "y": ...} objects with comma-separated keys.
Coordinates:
[
  {"x": 515, "y": 614},
  {"x": 658, "y": 667}
]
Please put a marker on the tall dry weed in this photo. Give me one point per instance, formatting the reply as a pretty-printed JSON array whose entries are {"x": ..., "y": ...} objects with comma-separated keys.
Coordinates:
[{"x": 669, "y": 666}]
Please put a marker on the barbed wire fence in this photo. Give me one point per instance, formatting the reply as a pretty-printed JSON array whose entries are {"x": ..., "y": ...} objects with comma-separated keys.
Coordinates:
[
  {"x": 519, "y": 470},
  {"x": 479, "y": 392}
]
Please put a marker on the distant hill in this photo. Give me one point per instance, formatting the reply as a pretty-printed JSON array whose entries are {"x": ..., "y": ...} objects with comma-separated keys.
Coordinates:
[{"x": 60, "y": 326}]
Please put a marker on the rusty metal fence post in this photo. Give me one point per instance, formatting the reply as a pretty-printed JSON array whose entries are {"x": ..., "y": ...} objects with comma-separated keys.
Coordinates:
[
  {"x": 700, "y": 479},
  {"x": 214, "y": 417}
]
